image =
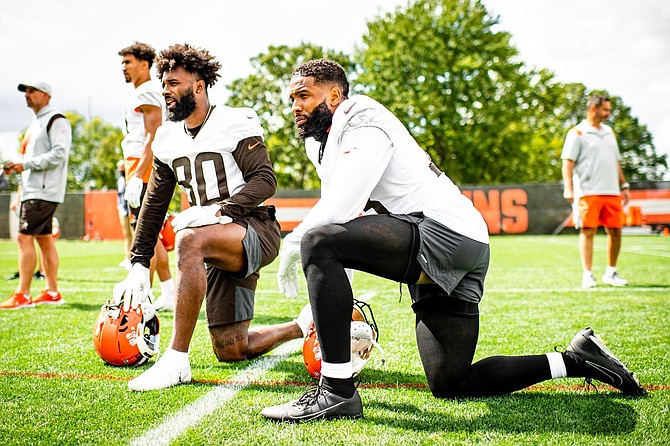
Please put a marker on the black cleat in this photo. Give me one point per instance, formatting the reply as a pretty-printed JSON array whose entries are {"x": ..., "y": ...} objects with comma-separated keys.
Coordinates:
[
  {"x": 316, "y": 403},
  {"x": 600, "y": 363}
]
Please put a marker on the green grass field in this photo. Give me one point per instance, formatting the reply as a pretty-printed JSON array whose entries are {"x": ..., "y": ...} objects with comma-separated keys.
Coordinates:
[{"x": 55, "y": 390}]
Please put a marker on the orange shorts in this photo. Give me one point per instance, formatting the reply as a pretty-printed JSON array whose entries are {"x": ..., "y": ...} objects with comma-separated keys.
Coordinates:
[
  {"x": 597, "y": 210},
  {"x": 130, "y": 166}
]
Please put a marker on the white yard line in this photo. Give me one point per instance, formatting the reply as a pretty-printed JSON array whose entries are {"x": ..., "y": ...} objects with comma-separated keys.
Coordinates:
[
  {"x": 603, "y": 289},
  {"x": 366, "y": 296},
  {"x": 662, "y": 251},
  {"x": 176, "y": 424}
]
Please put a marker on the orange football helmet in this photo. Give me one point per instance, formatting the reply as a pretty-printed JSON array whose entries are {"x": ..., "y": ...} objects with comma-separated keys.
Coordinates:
[
  {"x": 126, "y": 338},
  {"x": 167, "y": 234},
  {"x": 364, "y": 337}
]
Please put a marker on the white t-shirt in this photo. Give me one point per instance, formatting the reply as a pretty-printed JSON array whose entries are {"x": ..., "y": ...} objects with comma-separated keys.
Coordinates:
[
  {"x": 134, "y": 136},
  {"x": 596, "y": 156}
]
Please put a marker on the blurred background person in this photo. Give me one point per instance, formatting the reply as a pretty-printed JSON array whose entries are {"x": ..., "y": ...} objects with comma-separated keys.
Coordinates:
[
  {"x": 45, "y": 149},
  {"x": 124, "y": 213},
  {"x": 591, "y": 165},
  {"x": 144, "y": 114}
]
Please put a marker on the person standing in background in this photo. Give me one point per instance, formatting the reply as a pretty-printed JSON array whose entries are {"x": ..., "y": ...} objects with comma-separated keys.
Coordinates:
[
  {"x": 144, "y": 114},
  {"x": 124, "y": 213},
  {"x": 591, "y": 160},
  {"x": 43, "y": 167}
]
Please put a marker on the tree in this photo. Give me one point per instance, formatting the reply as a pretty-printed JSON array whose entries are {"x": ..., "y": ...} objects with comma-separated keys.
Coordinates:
[
  {"x": 640, "y": 162},
  {"x": 456, "y": 84},
  {"x": 266, "y": 91},
  {"x": 482, "y": 115},
  {"x": 96, "y": 148}
]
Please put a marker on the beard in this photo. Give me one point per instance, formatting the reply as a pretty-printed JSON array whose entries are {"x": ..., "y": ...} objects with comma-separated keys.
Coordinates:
[
  {"x": 317, "y": 123},
  {"x": 184, "y": 106}
]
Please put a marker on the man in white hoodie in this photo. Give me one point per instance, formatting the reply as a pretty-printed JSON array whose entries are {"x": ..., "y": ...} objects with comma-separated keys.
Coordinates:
[
  {"x": 387, "y": 210},
  {"x": 45, "y": 149}
]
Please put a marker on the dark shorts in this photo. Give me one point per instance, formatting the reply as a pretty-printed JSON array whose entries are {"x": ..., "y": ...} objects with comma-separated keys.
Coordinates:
[
  {"x": 36, "y": 217},
  {"x": 457, "y": 264},
  {"x": 230, "y": 297}
]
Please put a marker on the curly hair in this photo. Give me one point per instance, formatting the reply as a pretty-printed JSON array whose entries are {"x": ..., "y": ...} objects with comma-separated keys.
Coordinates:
[
  {"x": 194, "y": 60},
  {"x": 324, "y": 71},
  {"x": 141, "y": 51}
]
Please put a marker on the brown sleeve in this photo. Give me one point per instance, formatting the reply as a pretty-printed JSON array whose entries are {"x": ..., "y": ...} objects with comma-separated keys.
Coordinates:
[
  {"x": 253, "y": 159},
  {"x": 154, "y": 206}
]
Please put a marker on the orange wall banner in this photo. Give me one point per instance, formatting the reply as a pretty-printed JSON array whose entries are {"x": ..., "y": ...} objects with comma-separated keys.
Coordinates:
[
  {"x": 509, "y": 209},
  {"x": 101, "y": 216}
]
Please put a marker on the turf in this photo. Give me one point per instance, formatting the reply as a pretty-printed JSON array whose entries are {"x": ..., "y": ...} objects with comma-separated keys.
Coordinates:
[{"x": 54, "y": 390}]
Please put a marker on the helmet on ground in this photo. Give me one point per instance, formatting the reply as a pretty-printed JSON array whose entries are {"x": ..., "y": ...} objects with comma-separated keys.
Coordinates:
[
  {"x": 126, "y": 338},
  {"x": 364, "y": 337},
  {"x": 167, "y": 235}
]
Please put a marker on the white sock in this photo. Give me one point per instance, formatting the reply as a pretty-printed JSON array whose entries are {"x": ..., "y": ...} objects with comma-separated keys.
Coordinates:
[
  {"x": 556, "y": 365},
  {"x": 587, "y": 273},
  {"x": 180, "y": 358},
  {"x": 610, "y": 270},
  {"x": 167, "y": 289},
  {"x": 341, "y": 371}
]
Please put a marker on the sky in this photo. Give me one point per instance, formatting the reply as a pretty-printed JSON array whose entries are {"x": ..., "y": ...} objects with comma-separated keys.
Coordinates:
[{"x": 617, "y": 45}]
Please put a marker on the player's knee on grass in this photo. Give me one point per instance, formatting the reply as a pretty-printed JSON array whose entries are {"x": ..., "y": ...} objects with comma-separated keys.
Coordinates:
[
  {"x": 446, "y": 345},
  {"x": 230, "y": 342}
]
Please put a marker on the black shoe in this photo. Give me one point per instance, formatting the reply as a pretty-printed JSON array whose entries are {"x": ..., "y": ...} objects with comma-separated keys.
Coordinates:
[
  {"x": 13, "y": 276},
  {"x": 316, "y": 403},
  {"x": 600, "y": 363},
  {"x": 38, "y": 275}
]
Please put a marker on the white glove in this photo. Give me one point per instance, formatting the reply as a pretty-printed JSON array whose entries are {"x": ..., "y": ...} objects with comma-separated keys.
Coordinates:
[
  {"x": 133, "y": 192},
  {"x": 199, "y": 216},
  {"x": 134, "y": 289},
  {"x": 287, "y": 274}
]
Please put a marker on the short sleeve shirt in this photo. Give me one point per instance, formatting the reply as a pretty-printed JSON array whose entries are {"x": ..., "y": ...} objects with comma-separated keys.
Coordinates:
[{"x": 596, "y": 156}]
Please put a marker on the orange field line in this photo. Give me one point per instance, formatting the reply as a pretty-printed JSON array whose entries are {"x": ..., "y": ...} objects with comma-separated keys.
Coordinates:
[{"x": 292, "y": 202}]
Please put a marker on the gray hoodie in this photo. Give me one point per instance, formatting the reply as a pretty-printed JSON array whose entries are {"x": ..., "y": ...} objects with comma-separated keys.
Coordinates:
[{"x": 45, "y": 157}]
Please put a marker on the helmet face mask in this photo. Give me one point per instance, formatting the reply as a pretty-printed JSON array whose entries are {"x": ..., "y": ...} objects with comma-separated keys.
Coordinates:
[
  {"x": 364, "y": 337},
  {"x": 126, "y": 338}
]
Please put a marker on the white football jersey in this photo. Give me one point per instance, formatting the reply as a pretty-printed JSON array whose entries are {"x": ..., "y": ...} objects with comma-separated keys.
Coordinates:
[
  {"x": 134, "y": 135},
  {"x": 204, "y": 166},
  {"x": 371, "y": 157}
]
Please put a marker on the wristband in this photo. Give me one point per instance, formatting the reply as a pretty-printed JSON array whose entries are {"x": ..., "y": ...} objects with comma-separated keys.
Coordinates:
[{"x": 625, "y": 186}]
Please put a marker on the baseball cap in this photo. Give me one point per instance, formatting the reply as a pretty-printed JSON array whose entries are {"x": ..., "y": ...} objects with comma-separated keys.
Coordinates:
[{"x": 37, "y": 84}]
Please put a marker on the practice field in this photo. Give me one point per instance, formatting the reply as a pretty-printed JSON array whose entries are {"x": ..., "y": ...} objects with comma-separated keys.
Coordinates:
[{"x": 55, "y": 390}]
